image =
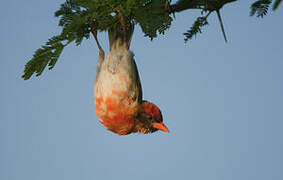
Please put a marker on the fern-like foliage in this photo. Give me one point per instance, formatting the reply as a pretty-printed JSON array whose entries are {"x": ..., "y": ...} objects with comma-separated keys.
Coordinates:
[
  {"x": 260, "y": 8},
  {"x": 276, "y": 4},
  {"x": 46, "y": 55},
  {"x": 75, "y": 28},
  {"x": 151, "y": 17},
  {"x": 75, "y": 16},
  {"x": 196, "y": 28},
  {"x": 74, "y": 21}
]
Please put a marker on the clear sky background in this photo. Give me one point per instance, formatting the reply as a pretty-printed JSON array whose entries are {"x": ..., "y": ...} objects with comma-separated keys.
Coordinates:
[{"x": 222, "y": 102}]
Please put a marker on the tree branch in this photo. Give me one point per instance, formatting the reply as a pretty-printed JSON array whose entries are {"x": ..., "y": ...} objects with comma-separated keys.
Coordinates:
[{"x": 193, "y": 4}]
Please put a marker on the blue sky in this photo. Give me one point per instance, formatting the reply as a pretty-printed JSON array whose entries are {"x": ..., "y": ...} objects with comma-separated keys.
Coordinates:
[{"x": 222, "y": 102}]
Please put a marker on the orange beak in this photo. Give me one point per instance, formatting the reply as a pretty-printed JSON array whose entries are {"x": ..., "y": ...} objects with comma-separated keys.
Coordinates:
[{"x": 161, "y": 127}]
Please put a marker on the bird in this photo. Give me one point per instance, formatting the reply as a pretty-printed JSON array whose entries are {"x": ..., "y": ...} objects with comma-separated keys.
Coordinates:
[{"x": 118, "y": 92}]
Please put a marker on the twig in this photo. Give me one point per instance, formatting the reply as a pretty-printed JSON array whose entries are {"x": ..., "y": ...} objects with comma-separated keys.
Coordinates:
[{"x": 221, "y": 24}]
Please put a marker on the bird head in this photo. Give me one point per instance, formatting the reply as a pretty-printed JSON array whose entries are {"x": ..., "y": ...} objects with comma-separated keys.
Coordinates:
[{"x": 150, "y": 118}]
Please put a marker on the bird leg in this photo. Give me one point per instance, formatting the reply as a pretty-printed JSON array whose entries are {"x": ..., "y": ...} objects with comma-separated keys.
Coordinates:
[{"x": 93, "y": 29}]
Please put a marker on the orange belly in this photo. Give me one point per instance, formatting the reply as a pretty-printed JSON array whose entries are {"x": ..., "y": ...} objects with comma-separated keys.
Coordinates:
[{"x": 117, "y": 116}]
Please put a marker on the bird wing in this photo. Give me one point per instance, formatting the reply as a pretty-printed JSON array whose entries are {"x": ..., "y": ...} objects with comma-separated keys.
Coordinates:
[{"x": 138, "y": 82}]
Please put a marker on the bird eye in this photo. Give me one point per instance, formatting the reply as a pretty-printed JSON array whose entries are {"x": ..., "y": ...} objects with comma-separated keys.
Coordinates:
[{"x": 149, "y": 117}]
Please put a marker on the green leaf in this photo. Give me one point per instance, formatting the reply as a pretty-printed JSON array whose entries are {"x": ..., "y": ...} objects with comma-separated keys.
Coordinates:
[
  {"x": 48, "y": 53},
  {"x": 74, "y": 22},
  {"x": 196, "y": 28},
  {"x": 260, "y": 8},
  {"x": 151, "y": 17}
]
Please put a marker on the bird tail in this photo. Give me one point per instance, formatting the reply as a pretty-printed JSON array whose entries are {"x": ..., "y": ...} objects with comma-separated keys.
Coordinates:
[{"x": 119, "y": 37}]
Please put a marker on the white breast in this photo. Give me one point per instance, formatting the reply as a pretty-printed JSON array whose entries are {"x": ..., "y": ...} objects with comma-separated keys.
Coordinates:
[{"x": 118, "y": 73}]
